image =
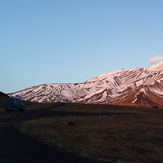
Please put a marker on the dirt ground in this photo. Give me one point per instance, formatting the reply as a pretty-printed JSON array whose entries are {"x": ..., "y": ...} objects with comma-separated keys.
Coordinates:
[
  {"x": 15, "y": 147},
  {"x": 18, "y": 148}
]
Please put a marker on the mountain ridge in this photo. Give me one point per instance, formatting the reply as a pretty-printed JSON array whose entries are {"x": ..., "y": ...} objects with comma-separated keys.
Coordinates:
[{"x": 138, "y": 87}]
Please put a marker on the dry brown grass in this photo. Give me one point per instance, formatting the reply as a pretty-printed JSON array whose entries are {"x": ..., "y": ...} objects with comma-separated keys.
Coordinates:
[{"x": 135, "y": 136}]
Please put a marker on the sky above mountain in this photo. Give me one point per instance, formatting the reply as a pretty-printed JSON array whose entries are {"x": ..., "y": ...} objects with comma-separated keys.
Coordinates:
[{"x": 71, "y": 41}]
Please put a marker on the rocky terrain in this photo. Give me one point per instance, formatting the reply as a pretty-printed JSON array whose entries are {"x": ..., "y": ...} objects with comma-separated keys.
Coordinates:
[
  {"x": 136, "y": 87},
  {"x": 91, "y": 133}
]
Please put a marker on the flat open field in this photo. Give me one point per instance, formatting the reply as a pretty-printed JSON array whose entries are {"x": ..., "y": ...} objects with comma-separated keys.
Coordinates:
[
  {"x": 115, "y": 133},
  {"x": 118, "y": 133}
]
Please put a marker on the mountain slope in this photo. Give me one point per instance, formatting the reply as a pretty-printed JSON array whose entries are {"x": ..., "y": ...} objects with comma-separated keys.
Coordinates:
[
  {"x": 4, "y": 97},
  {"x": 139, "y": 87}
]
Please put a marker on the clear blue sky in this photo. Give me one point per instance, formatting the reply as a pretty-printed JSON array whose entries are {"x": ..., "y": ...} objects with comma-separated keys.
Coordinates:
[{"x": 71, "y": 41}]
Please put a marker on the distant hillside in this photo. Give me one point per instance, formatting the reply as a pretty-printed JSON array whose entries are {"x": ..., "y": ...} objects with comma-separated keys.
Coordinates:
[
  {"x": 4, "y": 98},
  {"x": 136, "y": 87}
]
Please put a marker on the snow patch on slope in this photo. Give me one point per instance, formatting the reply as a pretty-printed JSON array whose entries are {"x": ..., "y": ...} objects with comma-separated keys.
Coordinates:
[
  {"x": 158, "y": 66},
  {"x": 100, "y": 89}
]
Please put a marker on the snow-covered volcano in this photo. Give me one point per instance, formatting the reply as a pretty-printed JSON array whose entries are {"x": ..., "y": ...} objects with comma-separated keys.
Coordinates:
[{"x": 138, "y": 87}]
